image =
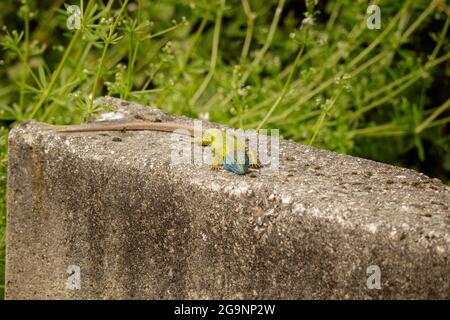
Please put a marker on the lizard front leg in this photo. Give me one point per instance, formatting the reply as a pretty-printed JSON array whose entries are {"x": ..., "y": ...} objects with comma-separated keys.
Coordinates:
[
  {"x": 217, "y": 159},
  {"x": 212, "y": 137}
]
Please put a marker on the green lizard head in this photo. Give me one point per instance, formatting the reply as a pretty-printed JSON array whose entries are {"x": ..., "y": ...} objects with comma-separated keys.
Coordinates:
[{"x": 234, "y": 164}]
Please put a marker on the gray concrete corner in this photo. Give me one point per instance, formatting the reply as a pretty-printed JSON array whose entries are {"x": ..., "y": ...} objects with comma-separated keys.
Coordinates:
[{"x": 105, "y": 216}]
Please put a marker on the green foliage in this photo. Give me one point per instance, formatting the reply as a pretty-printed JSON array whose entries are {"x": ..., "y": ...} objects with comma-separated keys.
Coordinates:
[
  {"x": 314, "y": 70},
  {"x": 3, "y": 149}
]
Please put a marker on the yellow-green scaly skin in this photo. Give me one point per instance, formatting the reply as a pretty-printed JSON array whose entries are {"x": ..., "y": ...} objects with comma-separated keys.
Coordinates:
[{"x": 228, "y": 151}]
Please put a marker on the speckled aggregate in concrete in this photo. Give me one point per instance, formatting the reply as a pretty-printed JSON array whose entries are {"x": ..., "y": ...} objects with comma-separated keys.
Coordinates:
[{"x": 138, "y": 228}]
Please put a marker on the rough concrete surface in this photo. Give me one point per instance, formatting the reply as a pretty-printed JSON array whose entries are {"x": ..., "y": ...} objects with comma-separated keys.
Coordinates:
[{"x": 138, "y": 229}]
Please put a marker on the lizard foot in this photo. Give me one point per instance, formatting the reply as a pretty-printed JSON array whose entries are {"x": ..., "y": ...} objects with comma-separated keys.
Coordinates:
[{"x": 255, "y": 165}]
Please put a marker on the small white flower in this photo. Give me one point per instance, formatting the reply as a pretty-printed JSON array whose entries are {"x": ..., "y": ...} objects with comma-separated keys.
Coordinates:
[
  {"x": 242, "y": 92},
  {"x": 204, "y": 116},
  {"x": 308, "y": 21}
]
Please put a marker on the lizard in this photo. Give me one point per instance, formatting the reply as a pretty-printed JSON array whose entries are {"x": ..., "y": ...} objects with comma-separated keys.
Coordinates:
[{"x": 238, "y": 160}]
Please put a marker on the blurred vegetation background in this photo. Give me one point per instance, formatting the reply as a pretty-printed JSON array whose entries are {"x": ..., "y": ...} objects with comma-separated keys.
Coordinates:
[{"x": 310, "y": 68}]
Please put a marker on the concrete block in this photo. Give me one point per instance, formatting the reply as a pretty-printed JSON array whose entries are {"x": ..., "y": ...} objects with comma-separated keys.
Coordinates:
[{"x": 105, "y": 216}]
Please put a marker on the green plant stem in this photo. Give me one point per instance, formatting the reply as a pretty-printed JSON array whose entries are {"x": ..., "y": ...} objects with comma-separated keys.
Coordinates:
[
  {"x": 185, "y": 61},
  {"x": 47, "y": 24},
  {"x": 328, "y": 82},
  {"x": 333, "y": 15},
  {"x": 285, "y": 87},
  {"x": 55, "y": 75},
  {"x": 389, "y": 86},
  {"x": 441, "y": 39},
  {"x": 261, "y": 53},
  {"x": 214, "y": 52},
  {"x": 375, "y": 59},
  {"x": 381, "y": 37},
  {"x": 30, "y": 71},
  {"x": 58, "y": 70},
  {"x": 102, "y": 59},
  {"x": 147, "y": 91},
  {"x": 439, "y": 122},
  {"x": 321, "y": 119},
  {"x": 24, "y": 64},
  {"x": 418, "y": 21},
  {"x": 310, "y": 92},
  {"x": 375, "y": 130},
  {"x": 195, "y": 40},
  {"x": 307, "y": 87},
  {"x": 132, "y": 60},
  {"x": 416, "y": 76},
  {"x": 80, "y": 57},
  {"x": 432, "y": 62},
  {"x": 162, "y": 32},
  {"x": 432, "y": 117},
  {"x": 387, "y": 97},
  {"x": 250, "y": 24}
]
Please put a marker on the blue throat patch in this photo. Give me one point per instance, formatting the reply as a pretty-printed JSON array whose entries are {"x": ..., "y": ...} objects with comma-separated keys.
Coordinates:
[{"x": 231, "y": 163}]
